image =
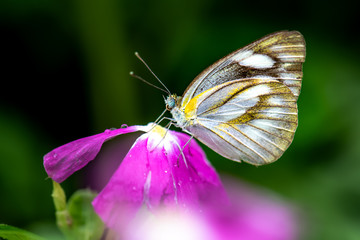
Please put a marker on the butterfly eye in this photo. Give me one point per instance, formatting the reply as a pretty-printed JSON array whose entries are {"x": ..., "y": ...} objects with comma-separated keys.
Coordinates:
[{"x": 170, "y": 103}]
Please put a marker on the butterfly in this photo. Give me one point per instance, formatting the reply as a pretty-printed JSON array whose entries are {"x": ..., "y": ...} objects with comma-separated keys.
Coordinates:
[{"x": 244, "y": 106}]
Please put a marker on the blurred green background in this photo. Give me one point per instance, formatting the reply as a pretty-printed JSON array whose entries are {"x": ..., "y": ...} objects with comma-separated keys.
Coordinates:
[{"x": 65, "y": 76}]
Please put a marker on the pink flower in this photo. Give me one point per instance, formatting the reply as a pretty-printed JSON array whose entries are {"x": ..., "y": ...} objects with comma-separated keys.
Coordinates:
[
  {"x": 252, "y": 214},
  {"x": 165, "y": 188},
  {"x": 162, "y": 168}
]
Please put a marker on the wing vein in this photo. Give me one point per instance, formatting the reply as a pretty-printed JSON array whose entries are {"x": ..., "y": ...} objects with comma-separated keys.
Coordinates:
[
  {"x": 252, "y": 140},
  {"x": 267, "y": 140},
  {"x": 275, "y": 135},
  {"x": 250, "y": 157}
]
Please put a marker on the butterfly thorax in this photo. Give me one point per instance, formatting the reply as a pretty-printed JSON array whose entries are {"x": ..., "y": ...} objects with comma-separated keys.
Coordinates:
[{"x": 173, "y": 104}]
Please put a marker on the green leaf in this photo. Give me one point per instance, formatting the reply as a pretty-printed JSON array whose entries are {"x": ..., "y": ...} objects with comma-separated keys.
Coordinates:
[
  {"x": 59, "y": 197},
  {"x": 86, "y": 222},
  {"x": 12, "y": 233},
  {"x": 63, "y": 219},
  {"x": 77, "y": 219}
]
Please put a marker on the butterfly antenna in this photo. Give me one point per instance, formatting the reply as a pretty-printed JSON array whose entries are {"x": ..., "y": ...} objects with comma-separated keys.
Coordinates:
[
  {"x": 138, "y": 56},
  {"x": 140, "y": 78}
]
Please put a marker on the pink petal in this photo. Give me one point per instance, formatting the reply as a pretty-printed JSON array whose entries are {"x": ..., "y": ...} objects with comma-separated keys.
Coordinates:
[
  {"x": 194, "y": 179},
  {"x": 154, "y": 174},
  {"x": 123, "y": 195},
  {"x": 255, "y": 215},
  {"x": 63, "y": 161}
]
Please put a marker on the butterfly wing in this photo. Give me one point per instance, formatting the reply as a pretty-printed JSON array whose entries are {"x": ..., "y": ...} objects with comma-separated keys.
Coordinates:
[
  {"x": 244, "y": 105},
  {"x": 252, "y": 120},
  {"x": 278, "y": 56}
]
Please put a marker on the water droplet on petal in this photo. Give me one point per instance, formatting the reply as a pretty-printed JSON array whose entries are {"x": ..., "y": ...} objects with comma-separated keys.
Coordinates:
[
  {"x": 124, "y": 126},
  {"x": 165, "y": 171},
  {"x": 55, "y": 155},
  {"x": 107, "y": 131}
]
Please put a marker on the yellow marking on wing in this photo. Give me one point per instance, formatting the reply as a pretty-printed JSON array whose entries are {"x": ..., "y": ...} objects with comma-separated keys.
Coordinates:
[
  {"x": 190, "y": 108},
  {"x": 238, "y": 85}
]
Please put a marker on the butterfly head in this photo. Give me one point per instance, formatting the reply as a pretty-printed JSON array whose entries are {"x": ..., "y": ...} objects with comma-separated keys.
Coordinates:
[{"x": 172, "y": 101}]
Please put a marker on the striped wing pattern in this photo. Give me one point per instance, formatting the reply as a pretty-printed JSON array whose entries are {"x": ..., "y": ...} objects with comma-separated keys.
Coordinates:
[
  {"x": 255, "y": 124},
  {"x": 244, "y": 106},
  {"x": 278, "y": 56}
]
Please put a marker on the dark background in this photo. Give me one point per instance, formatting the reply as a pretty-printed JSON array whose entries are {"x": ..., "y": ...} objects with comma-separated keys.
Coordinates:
[{"x": 64, "y": 75}]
